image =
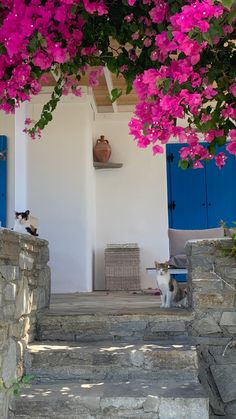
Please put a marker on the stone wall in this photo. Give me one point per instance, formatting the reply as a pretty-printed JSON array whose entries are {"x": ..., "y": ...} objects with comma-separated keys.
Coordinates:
[
  {"x": 24, "y": 290},
  {"x": 212, "y": 286}
]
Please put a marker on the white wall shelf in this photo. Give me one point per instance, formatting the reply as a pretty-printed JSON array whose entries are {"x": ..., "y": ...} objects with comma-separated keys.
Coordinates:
[{"x": 108, "y": 165}]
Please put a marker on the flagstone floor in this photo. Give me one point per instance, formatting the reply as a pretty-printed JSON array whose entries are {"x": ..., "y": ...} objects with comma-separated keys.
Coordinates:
[{"x": 105, "y": 302}]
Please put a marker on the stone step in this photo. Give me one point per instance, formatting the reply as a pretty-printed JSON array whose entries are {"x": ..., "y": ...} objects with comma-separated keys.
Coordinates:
[
  {"x": 139, "y": 399},
  {"x": 113, "y": 326},
  {"x": 109, "y": 360}
]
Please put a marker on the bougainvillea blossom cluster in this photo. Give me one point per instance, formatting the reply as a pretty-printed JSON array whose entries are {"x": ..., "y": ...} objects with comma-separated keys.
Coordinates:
[
  {"x": 182, "y": 88},
  {"x": 180, "y": 57}
]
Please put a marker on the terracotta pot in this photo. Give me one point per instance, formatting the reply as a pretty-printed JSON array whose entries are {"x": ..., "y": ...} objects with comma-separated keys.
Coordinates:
[{"x": 102, "y": 150}]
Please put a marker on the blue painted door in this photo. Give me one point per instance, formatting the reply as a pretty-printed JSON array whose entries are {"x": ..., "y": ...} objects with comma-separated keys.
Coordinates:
[
  {"x": 3, "y": 180},
  {"x": 200, "y": 198},
  {"x": 186, "y": 193},
  {"x": 221, "y": 192}
]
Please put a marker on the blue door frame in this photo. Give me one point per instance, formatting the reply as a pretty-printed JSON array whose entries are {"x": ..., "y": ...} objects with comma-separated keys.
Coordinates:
[{"x": 3, "y": 180}]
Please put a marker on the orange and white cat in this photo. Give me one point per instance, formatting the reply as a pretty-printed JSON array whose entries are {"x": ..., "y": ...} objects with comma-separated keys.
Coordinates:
[{"x": 171, "y": 293}]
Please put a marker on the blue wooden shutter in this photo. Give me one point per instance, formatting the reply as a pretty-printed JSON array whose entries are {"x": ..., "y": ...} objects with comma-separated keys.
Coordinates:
[
  {"x": 221, "y": 192},
  {"x": 200, "y": 198},
  {"x": 3, "y": 180},
  {"x": 186, "y": 193}
]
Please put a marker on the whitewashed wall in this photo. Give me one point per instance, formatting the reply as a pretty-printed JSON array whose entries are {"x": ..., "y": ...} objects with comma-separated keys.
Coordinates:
[
  {"x": 131, "y": 202},
  {"x": 61, "y": 192},
  {"x": 80, "y": 209}
]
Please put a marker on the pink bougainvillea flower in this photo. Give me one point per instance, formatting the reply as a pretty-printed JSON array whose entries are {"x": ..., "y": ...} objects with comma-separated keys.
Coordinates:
[
  {"x": 231, "y": 147},
  {"x": 232, "y": 134},
  {"x": 232, "y": 89},
  {"x": 209, "y": 92},
  {"x": 220, "y": 160},
  {"x": 157, "y": 149},
  {"x": 198, "y": 165}
]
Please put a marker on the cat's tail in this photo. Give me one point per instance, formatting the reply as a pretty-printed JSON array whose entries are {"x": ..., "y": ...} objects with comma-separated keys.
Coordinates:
[
  {"x": 171, "y": 285},
  {"x": 31, "y": 230}
]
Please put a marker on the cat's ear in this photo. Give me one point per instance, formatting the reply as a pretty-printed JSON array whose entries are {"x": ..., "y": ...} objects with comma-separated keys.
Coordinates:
[{"x": 27, "y": 213}]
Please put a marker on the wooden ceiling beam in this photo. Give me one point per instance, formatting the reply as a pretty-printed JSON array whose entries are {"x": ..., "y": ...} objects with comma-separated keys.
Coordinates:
[{"x": 110, "y": 87}]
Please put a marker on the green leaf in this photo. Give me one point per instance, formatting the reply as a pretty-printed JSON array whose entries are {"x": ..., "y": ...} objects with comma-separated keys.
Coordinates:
[
  {"x": 206, "y": 126},
  {"x": 27, "y": 378},
  {"x": 166, "y": 86},
  {"x": 2, "y": 49},
  {"x": 115, "y": 94},
  {"x": 227, "y": 3},
  {"x": 212, "y": 148},
  {"x": 207, "y": 37},
  {"x": 232, "y": 14},
  {"x": 221, "y": 140},
  {"x": 129, "y": 88},
  {"x": 183, "y": 164},
  {"x": 169, "y": 35}
]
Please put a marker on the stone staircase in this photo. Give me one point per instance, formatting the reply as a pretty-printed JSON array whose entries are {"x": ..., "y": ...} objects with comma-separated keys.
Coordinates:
[{"x": 110, "y": 366}]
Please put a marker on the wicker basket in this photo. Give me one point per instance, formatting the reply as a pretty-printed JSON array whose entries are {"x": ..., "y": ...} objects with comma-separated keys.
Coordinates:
[{"x": 122, "y": 267}]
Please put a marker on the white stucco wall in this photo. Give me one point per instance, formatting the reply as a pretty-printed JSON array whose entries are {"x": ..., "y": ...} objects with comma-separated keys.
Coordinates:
[
  {"x": 131, "y": 202},
  {"x": 80, "y": 209},
  {"x": 61, "y": 190},
  {"x": 21, "y": 159}
]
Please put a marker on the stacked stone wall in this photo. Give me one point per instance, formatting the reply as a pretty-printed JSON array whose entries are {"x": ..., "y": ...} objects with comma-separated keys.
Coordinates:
[
  {"x": 212, "y": 295},
  {"x": 24, "y": 290}
]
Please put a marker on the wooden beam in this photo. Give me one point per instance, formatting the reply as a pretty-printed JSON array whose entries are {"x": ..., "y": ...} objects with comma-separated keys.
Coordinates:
[{"x": 109, "y": 82}]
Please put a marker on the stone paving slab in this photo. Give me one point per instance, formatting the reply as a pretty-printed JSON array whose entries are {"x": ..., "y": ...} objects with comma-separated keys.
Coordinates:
[
  {"x": 60, "y": 360},
  {"x": 85, "y": 328},
  {"x": 103, "y": 316},
  {"x": 102, "y": 302},
  {"x": 108, "y": 400}
]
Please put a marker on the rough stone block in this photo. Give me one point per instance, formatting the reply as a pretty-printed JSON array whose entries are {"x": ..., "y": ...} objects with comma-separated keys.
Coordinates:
[
  {"x": 8, "y": 311},
  {"x": 26, "y": 261},
  {"x": 168, "y": 326},
  {"x": 225, "y": 379},
  {"x": 19, "y": 328},
  {"x": 205, "y": 326},
  {"x": 231, "y": 330},
  {"x": 9, "y": 272},
  {"x": 207, "y": 284},
  {"x": 9, "y": 364},
  {"x": 227, "y": 272},
  {"x": 43, "y": 255},
  {"x": 24, "y": 299},
  {"x": 4, "y": 402},
  {"x": 40, "y": 299},
  {"x": 230, "y": 409},
  {"x": 213, "y": 300},
  {"x": 202, "y": 262},
  {"x": 9, "y": 250},
  {"x": 228, "y": 318},
  {"x": 183, "y": 408},
  {"x": 3, "y": 333},
  {"x": 122, "y": 402},
  {"x": 151, "y": 404},
  {"x": 10, "y": 292}
]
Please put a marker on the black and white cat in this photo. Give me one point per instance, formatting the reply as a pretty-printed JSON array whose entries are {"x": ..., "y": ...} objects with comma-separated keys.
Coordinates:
[
  {"x": 171, "y": 293},
  {"x": 22, "y": 223}
]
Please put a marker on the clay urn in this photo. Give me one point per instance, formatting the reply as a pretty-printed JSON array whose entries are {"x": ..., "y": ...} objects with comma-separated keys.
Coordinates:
[{"x": 102, "y": 150}]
